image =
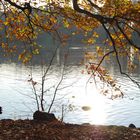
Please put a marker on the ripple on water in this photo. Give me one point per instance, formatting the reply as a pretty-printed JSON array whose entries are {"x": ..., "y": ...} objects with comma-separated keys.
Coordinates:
[{"x": 119, "y": 112}]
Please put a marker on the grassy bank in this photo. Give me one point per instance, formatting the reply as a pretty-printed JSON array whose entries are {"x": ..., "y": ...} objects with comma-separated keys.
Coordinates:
[{"x": 31, "y": 130}]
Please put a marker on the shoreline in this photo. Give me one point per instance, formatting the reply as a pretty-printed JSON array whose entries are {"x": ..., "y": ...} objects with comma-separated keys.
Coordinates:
[{"x": 34, "y": 130}]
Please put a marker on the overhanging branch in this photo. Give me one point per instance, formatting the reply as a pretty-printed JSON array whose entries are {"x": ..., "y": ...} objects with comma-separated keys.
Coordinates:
[
  {"x": 126, "y": 37},
  {"x": 98, "y": 17},
  {"x": 94, "y": 5},
  {"x": 117, "y": 57},
  {"x": 15, "y": 5}
]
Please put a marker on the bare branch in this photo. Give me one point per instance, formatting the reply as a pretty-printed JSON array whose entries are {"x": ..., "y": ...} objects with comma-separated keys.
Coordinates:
[{"x": 56, "y": 88}]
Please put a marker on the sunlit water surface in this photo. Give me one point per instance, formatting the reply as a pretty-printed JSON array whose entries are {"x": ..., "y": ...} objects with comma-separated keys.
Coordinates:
[{"x": 17, "y": 102}]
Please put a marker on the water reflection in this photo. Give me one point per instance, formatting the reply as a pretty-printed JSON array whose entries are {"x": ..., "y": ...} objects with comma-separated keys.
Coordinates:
[
  {"x": 97, "y": 113},
  {"x": 91, "y": 98},
  {"x": 13, "y": 81}
]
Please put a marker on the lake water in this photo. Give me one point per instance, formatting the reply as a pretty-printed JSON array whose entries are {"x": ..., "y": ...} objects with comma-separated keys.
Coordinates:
[{"x": 16, "y": 95}]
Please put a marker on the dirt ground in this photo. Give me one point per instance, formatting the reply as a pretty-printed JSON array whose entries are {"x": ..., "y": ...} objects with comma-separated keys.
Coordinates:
[{"x": 32, "y": 130}]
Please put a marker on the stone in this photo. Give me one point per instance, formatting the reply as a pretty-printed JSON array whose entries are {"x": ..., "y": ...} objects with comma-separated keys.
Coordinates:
[
  {"x": 132, "y": 125},
  {"x": 86, "y": 108},
  {"x": 0, "y": 110},
  {"x": 43, "y": 116}
]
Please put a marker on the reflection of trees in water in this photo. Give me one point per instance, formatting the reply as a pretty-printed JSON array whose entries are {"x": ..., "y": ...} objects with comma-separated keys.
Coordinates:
[{"x": 125, "y": 61}]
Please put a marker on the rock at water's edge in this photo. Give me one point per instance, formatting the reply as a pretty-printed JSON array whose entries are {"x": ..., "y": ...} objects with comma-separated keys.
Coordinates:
[
  {"x": 43, "y": 116},
  {"x": 132, "y": 125},
  {"x": 0, "y": 110}
]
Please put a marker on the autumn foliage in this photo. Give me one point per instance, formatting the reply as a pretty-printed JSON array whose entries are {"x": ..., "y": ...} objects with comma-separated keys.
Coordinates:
[{"x": 120, "y": 20}]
